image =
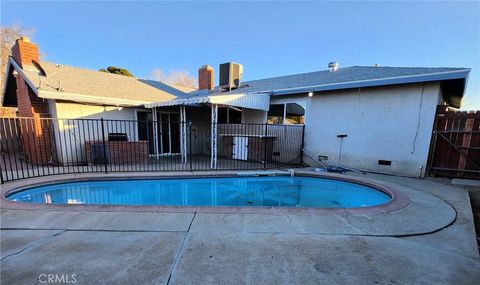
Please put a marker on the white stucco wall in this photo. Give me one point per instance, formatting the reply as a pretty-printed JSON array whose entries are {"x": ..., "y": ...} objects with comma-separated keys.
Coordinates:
[
  {"x": 70, "y": 135},
  {"x": 381, "y": 124},
  {"x": 80, "y": 111},
  {"x": 251, "y": 116}
]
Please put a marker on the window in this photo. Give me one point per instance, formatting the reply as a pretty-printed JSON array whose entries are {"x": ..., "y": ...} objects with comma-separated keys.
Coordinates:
[
  {"x": 229, "y": 115},
  {"x": 275, "y": 114},
  {"x": 234, "y": 116},
  {"x": 289, "y": 114},
  {"x": 222, "y": 115},
  {"x": 294, "y": 114},
  {"x": 145, "y": 129}
]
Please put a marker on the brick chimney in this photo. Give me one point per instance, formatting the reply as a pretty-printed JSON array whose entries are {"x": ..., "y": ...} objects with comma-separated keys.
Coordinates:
[
  {"x": 36, "y": 130},
  {"x": 205, "y": 77},
  {"x": 24, "y": 52}
]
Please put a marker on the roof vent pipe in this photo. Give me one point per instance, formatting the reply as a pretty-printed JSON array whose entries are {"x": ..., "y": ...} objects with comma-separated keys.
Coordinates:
[{"x": 333, "y": 66}]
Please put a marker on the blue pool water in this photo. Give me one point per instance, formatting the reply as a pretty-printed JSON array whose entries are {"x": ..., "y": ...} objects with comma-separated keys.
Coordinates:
[{"x": 244, "y": 191}]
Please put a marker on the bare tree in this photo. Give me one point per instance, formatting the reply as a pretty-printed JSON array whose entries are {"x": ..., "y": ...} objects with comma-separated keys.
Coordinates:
[
  {"x": 158, "y": 75},
  {"x": 175, "y": 77},
  {"x": 8, "y": 36},
  {"x": 182, "y": 78}
]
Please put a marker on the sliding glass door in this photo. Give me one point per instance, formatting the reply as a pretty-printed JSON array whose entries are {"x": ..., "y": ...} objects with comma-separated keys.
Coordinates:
[{"x": 168, "y": 131}]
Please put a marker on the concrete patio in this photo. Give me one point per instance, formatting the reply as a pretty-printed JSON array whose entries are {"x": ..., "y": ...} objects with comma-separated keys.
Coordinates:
[{"x": 431, "y": 241}]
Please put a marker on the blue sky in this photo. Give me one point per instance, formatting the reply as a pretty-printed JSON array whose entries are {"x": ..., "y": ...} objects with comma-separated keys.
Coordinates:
[{"x": 269, "y": 39}]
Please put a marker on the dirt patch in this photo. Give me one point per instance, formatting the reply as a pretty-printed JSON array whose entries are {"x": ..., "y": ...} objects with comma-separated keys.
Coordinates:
[
  {"x": 474, "y": 193},
  {"x": 475, "y": 201}
]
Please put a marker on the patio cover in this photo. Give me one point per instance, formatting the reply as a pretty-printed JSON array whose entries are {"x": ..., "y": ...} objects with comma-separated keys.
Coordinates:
[{"x": 258, "y": 101}]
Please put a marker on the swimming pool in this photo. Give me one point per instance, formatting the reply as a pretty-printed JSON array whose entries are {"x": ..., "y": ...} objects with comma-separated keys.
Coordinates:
[{"x": 279, "y": 191}]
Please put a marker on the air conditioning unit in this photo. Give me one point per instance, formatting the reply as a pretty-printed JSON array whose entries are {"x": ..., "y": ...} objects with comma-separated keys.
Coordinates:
[{"x": 230, "y": 75}]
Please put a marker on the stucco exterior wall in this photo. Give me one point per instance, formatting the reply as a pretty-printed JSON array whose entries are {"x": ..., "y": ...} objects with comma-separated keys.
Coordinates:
[
  {"x": 391, "y": 123},
  {"x": 251, "y": 116},
  {"x": 70, "y": 135},
  {"x": 384, "y": 123},
  {"x": 68, "y": 110}
]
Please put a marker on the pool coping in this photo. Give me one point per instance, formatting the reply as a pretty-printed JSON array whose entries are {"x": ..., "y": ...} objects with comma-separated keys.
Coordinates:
[{"x": 399, "y": 199}]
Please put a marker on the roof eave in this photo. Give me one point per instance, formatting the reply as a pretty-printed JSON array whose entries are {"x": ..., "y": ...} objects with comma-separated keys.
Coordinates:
[
  {"x": 457, "y": 74},
  {"x": 12, "y": 63},
  {"x": 464, "y": 90},
  {"x": 24, "y": 75}
]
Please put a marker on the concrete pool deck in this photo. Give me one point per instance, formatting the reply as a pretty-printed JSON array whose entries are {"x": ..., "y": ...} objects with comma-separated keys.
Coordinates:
[{"x": 429, "y": 241}]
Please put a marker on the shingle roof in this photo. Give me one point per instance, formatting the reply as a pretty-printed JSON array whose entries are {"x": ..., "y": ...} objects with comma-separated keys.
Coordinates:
[
  {"x": 58, "y": 79},
  {"x": 63, "y": 82},
  {"x": 348, "y": 77}
]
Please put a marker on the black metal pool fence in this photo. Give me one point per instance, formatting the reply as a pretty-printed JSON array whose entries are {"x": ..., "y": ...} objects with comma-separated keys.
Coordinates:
[{"x": 33, "y": 147}]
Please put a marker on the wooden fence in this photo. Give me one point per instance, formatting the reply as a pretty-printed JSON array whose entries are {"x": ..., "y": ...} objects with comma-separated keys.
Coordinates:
[{"x": 455, "y": 147}]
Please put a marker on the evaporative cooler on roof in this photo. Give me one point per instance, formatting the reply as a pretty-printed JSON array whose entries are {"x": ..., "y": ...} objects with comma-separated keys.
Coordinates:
[{"x": 230, "y": 75}]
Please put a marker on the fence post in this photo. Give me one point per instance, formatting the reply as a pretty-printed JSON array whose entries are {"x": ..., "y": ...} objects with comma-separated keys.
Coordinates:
[
  {"x": 302, "y": 145},
  {"x": 104, "y": 148},
  {"x": 265, "y": 147},
  {"x": 190, "y": 144},
  {"x": 466, "y": 143},
  {"x": 441, "y": 109},
  {"x": 431, "y": 152}
]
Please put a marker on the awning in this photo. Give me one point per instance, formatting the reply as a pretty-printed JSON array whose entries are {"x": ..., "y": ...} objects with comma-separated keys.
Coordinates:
[{"x": 258, "y": 101}]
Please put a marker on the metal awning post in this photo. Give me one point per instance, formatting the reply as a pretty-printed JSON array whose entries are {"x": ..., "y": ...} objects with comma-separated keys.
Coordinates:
[
  {"x": 183, "y": 134},
  {"x": 213, "y": 152},
  {"x": 155, "y": 131}
]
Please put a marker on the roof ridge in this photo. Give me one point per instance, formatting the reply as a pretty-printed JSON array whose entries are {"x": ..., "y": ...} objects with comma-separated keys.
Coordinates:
[
  {"x": 108, "y": 73},
  {"x": 409, "y": 67},
  {"x": 355, "y": 66},
  {"x": 151, "y": 83},
  {"x": 89, "y": 69},
  {"x": 302, "y": 73}
]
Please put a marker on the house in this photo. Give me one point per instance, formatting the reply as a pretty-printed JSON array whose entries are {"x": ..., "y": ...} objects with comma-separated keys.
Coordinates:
[{"x": 371, "y": 118}]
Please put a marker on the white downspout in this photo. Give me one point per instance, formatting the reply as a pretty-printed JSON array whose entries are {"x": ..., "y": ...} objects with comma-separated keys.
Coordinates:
[
  {"x": 213, "y": 140},
  {"x": 155, "y": 131},
  {"x": 183, "y": 134}
]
